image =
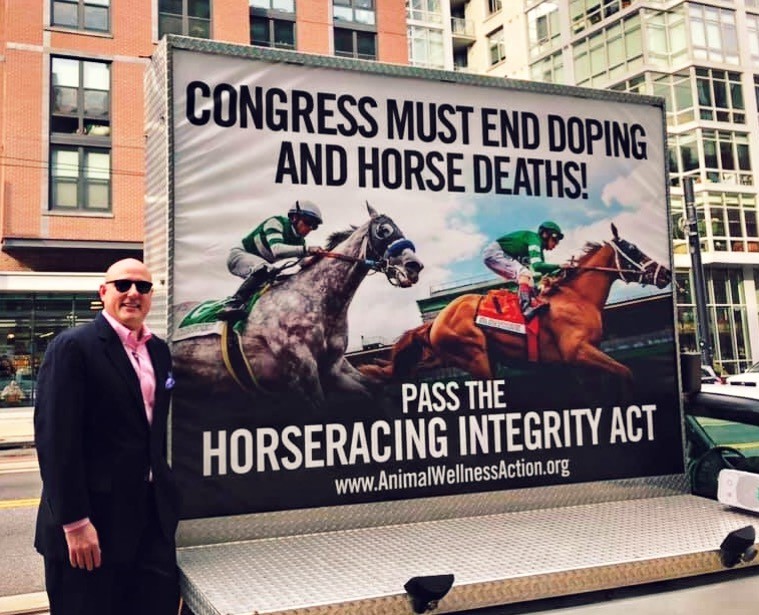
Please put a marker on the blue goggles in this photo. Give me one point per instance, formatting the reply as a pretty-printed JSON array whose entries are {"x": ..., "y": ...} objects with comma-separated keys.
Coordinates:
[{"x": 398, "y": 246}]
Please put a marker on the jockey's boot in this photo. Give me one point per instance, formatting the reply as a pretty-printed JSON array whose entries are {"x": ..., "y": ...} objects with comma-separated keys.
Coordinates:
[
  {"x": 530, "y": 309},
  {"x": 235, "y": 309}
]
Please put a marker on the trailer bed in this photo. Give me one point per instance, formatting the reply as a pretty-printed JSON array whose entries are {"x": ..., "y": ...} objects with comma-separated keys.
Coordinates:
[{"x": 496, "y": 559}]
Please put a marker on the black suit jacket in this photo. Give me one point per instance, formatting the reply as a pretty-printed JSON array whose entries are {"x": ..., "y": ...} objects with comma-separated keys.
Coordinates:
[{"x": 94, "y": 444}]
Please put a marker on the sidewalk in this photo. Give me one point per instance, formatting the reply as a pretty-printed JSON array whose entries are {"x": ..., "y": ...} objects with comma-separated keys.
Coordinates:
[
  {"x": 24, "y": 604},
  {"x": 18, "y": 459},
  {"x": 16, "y": 427}
]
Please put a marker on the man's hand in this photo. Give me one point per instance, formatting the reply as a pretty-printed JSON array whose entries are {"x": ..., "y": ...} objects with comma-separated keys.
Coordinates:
[
  {"x": 84, "y": 547},
  {"x": 314, "y": 250}
]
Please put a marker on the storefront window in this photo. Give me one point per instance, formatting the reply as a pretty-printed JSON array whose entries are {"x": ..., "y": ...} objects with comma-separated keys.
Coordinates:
[{"x": 28, "y": 323}]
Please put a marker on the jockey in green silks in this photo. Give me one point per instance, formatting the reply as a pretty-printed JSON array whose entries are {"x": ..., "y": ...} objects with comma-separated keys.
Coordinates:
[
  {"x": 518, "y": 257},
  {"x": 276, "y": 238}
]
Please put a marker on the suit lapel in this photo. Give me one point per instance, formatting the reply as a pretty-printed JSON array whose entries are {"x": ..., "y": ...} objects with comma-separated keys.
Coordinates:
[{"x": 115, "y": 352}]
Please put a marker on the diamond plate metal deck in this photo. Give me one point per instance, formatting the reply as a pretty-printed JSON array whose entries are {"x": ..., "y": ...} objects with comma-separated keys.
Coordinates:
[{"x": 496, "y": 559}]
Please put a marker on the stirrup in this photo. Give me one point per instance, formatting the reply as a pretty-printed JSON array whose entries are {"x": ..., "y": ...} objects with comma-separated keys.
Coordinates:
[{"x": 533, "y": 311}]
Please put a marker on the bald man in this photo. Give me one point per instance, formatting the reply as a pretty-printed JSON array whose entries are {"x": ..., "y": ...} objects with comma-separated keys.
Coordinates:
[{"x": 109, "y": 506}]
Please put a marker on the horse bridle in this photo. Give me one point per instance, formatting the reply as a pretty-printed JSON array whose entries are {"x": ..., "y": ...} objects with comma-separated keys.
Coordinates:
[
  {"x": 644, "y": 272},
  {"x": 641, "y": 272},
  {"x": 383, "y": 241}
]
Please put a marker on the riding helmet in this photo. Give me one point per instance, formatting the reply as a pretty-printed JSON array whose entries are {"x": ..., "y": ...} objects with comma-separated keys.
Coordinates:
[
  {"x": 307, "y": 210},
  {"x": 552, "y": 229}
]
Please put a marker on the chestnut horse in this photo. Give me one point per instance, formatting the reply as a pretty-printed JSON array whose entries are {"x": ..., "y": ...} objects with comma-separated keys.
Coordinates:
[{"x": 570, "y": 330}]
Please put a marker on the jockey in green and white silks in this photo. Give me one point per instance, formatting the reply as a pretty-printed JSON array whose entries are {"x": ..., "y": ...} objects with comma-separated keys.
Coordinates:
[
  {"x": 518, "y": 256},
  {"x": 276, "y": 238}
]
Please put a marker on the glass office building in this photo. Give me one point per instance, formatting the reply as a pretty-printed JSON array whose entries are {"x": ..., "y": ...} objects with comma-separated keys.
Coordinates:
[{"x": 703, "y": 58}]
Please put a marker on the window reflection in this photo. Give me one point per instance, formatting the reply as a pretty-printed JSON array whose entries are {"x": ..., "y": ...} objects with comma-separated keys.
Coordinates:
[{"x": 28, "y": 323}]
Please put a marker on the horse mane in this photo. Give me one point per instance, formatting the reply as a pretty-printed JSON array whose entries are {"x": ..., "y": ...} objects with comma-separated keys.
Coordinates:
[
  {"x": 588, "y": 250},
  {"x": 573, "y": 267},
  {"x": 337, "y": 237}
]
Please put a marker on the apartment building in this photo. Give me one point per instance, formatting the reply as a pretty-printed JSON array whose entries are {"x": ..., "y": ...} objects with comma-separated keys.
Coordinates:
[
  {"x": 703, "y": 58},
  {"x": 72, "y": 145},
  {"x": 72, "y": 135}
]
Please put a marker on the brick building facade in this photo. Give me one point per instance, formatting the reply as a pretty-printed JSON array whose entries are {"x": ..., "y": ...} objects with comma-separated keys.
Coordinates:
[{"x": 72, "y": 146}]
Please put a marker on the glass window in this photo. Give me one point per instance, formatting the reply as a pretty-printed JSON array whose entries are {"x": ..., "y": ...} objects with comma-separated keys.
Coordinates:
[
  {"x": 726, "y": 157},
  {"x": 358, "y": 11},
  {"x": 682, "y": 99},
  {"x": 733, "y": 222},
  {"x": 65, "y": 86},
  {"x": 91, "y": 15},
  {"x": 268, "y": 32},
  {"x": 28, "y": 323},
  {"x": 586, "y": 13},
  {"x": 284, "y": 6},
  {"x": 549, "y": 69},
  {"x": 272, "y": 23},
  {"x": 80, "y": 93},
  {"x": 65, "y": 167},
  {"x": 616, "y": 51},
  {"x": 543, "y": 29},
  {"x": 752, "y": 27},
  {"x": 608, "y": 53},
  {"x": 284, "y": 34},
  {"x": 80, "y": 135},
  {"x": 496, "y": 46},
  {"x": 187, "y": 17},
  {"x": 355, "y": 44},
  {"x": 366, "y": 45},
  {"x": 425, "y": 47},
  {"x": 430, "y": 11},
  {"x": 713, "y": 33},
  {"x": 720, "y": 96},
  {"x": 97, "y": 179},
  {"x": 259, "y": 32},
  {"x": 666, "y": 36},
  {"x": 727, "y": 314},
  {"x": 80, "y": 178}
]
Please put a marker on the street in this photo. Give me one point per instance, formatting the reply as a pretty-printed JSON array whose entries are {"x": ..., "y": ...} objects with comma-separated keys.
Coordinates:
[{"x": 19, "y": 494}]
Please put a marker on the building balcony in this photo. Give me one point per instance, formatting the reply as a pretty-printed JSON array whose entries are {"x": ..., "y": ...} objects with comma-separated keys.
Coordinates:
[
  {"x": 427, "y": 17},
  {"x": 462, "y": 32}
]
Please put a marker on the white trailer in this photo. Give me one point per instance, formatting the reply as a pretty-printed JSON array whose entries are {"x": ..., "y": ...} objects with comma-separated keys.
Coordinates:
[{"x": 328, "y": 494}]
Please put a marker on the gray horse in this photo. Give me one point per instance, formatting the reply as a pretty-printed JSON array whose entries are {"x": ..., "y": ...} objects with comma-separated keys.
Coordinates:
[{"x": 295, "y": 337}]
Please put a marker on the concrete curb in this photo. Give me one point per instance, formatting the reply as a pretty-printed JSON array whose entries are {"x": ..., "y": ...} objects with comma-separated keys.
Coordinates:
[
  {"x": 24, "y": 604},
  {"x": 21, "y": 443}
]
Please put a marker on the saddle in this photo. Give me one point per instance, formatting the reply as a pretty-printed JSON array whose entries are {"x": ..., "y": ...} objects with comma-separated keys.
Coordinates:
[
  {"x": 499, "y": 309},
  {"x": 201, "y": 321}
]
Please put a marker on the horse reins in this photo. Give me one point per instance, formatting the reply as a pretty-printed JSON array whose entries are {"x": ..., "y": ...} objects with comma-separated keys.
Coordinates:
[
  {"x": 640, "y": 268},
  {"x": 350, "y": 259},
  {"x": 379, "y": 265}
]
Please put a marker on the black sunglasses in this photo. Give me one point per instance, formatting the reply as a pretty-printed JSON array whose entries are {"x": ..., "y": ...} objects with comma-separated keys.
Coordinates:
[{"x": 124, "y": 285}]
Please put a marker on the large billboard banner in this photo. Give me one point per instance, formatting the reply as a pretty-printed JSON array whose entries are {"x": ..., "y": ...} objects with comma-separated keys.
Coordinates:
[{"x": 387, "y": 287}]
